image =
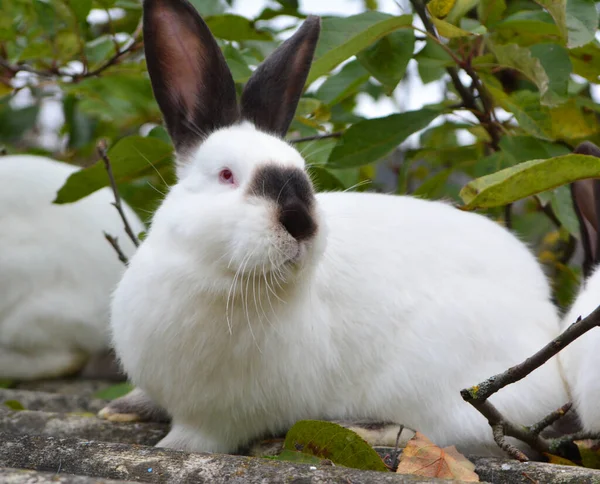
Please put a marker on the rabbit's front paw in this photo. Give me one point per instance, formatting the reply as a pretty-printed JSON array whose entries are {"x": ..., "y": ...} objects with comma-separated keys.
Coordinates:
[{"x": 182, "y": 437}]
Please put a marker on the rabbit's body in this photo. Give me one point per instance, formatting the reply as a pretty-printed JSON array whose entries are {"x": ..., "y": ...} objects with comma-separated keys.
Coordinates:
[
  {"x": 405, "y": 303},
  {"x": 56, "y": 270},
  {"x": 253, "y": 302}
]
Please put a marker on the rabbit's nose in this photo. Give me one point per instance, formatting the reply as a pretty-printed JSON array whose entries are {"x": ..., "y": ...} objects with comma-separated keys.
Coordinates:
[{"x": 296, "y": 219}]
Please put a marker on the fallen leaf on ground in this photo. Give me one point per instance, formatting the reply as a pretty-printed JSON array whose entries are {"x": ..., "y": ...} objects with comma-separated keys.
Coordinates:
[{"x": 422, "y": 457}]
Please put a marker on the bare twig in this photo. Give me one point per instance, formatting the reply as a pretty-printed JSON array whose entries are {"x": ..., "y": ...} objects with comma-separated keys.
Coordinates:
[
  {"x": 478, "y": 396},
  {"x": 500, "y": 439},
  {"x": 316, "y": 137},
  {"x": 508, "y": 216},
  {"x": 101, "y": 147},
  {"x": 136, "y": 45},
  {"x": 486, "y": 389},
  {"x": 52, "y": 72},
  {"x": 549, "y": 419},
  {"x": 115, "y": 245}
]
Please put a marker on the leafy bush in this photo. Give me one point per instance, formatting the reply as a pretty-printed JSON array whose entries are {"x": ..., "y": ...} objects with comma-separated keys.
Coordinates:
[{"x": 518, "y": 77}]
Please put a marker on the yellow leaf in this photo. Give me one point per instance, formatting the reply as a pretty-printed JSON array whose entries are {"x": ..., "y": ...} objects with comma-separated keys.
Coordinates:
[
  {"x": 555, "y": 459},
  {"x": 448, "y": 30},
  {"x": 569, "y": 121},
  {"x": 422, "y": 457},
  {"x": 440, "y": 8}
]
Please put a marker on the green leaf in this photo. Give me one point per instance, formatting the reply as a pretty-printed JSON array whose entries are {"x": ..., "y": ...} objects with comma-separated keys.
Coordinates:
[
  {"x": 524, "y": 105},
  {"x": 327, "y": 440},
  {"x": 432, "y": 61},
  {"x": 490, "y": 12},
  {"x": 237, "y": 64},
  {"x": 324, "y": 180},
  {"x": 460, "y": 9},
  {"x": 99, "y": 50},
  {"x": 556, "y": 63},
  {"x": 558, "y": 10},
  {"x": 15, "y": 122},
  {"x": 433, "y": 187},
  {"x": 78, "y": 125},
  {"x": 131, "y": 157},
  {"x": 81, "y": 9},
  {"x": 387, "y": 58},
  {"x": 161, "y": 133},
  {"x": 446, "y": 29},
  {"x": 343, "y": 37},
  {"x": 562, "y": 206},
  {"x": 343, "y": 84},
  {"x": 14, "y": 405},
  {"x": 586, "y": 61},
  {"x": 114, "y": 391},
  {"x": 577, "y": 20},
  {"x": 369, "y": 140},
  {"x": 207, "y": 8},
  {"x": 528, "y": 178},
  {"x": 524, "y": 148},
  {"x": 527, "y": 28},
  {"x": 582, "y": 22},
  {"x": 523, "y": 60},
  {"x": 235, "y": 27}
]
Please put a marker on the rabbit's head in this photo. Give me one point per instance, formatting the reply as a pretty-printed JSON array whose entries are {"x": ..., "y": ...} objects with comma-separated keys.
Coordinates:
[
  {"x": 243, "y": 201},
  {"x": 586, "y": 201}
]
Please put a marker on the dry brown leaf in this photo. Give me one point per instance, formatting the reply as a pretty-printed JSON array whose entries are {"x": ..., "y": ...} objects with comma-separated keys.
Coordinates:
[{"x": 422, "y": 457}]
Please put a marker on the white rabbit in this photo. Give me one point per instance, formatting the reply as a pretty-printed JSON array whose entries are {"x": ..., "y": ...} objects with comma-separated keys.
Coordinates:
[
  {"x": 253, "y": 303},
  {"x": 56, "y": 270},
  {"x": 581, "y": 359}
]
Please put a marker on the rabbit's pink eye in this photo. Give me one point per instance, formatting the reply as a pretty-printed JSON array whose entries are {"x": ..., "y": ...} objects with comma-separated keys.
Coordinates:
[{"x": 226, "y": 176}]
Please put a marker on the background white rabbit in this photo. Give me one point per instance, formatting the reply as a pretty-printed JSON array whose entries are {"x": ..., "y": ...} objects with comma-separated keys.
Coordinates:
[
  {"x": 56, "y": 270},
  {"x": 253, "y": 303},
  {"x": 581, "y": 359}
]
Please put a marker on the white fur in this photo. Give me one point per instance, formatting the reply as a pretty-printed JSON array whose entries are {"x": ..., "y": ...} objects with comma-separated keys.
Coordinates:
[
  {"x": 581, "y": 359},
  {"x": 56, "y": 269},
  {"x": 393, "y": 308}
]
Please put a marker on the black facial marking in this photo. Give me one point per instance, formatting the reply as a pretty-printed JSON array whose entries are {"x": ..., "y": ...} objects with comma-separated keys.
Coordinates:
[{"x": 292, "y": 191}]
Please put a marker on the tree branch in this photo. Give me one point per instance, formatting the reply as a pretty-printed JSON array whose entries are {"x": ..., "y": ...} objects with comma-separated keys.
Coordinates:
[
  {"x": 478, "y": 396},
  {"x": 486, "y": 389},
  {"x": 469, "y": 100},
  {"x": 101, "y": 147},
  {"x": 55, "y": 71},
  {"x": 316, "y": 137},
  {"x": 115, "y": 245}
]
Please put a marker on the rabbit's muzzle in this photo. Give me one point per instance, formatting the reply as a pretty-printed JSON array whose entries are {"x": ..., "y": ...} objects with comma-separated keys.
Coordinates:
[{"x": 293, "y": 194}]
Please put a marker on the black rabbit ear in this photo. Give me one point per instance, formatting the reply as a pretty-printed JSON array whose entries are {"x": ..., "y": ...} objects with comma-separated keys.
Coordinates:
[
  {"x": 271, "y": 95},
  {"x": 190, "y": 78},
  {"x": 586, "y": 201}
]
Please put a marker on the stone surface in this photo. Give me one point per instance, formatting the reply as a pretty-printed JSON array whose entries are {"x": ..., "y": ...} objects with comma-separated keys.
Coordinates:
[
  {"x": 52, "y": 402},
  {"x": 82, "y": 388},
  {"x": 149, "y": 464},
  {"x": 83, "y": 427},
  {"x": 504, "y": 471},
  {"x": 59, "y": 439},
  {"x": 22, "y": 476}
]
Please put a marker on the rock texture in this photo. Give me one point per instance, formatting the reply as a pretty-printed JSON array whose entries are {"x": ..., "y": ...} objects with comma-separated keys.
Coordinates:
[{"x": 58, "y": 438}]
